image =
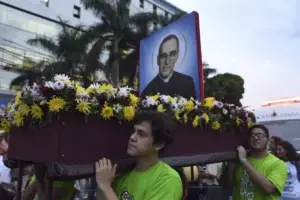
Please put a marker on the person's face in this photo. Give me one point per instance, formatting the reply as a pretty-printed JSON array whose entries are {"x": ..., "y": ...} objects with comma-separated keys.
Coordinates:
[
  {"x": 3, "y": 147},
  {"x": 272, "y": 144},
  {"x": 281, "y": 152},
  {"x": 258, "y": 139},
  {"x": 167, "y": 57},
  {"x": 141, "y": 141}
]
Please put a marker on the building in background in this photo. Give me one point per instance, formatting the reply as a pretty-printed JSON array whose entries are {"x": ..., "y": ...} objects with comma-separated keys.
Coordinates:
[{"x": 21, "y": 20}]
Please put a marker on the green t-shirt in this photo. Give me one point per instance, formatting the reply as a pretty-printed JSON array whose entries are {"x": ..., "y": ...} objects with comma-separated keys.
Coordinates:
[
  {"x": 158, "y": 182},
  {"x": 67, "y": 186},
  {"x": 271, "y": 168}
]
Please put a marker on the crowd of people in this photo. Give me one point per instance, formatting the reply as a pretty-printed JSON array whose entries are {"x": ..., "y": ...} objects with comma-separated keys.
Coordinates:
[{"x": 268, "y": 170}]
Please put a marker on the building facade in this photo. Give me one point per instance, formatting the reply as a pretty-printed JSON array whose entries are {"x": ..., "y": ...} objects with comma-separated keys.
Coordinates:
[{"x": 21, "y": 20}]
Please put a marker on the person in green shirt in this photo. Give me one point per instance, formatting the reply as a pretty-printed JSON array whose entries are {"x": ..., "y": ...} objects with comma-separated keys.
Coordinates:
[
  {"x": 258, "y": 175},
  {"x": 151, "y": 179}
]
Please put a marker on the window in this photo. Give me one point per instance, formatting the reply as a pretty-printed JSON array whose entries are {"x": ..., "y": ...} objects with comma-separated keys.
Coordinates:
[
  {"x": 154, "y": 9},
  {"x": 76, "y": 12},
  {"x": 46, "y": 2},
  {"x": 142, "y": 3},
  {"x": 166, "y": 14}
]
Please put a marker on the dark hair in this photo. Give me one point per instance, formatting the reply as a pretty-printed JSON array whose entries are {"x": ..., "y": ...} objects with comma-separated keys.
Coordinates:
[
  {"x": 291, "y": 152},
  {"x": 277, "y": 140},
  {"x": 260, "y": 126},
  {"x": 162, "y": 126},
  {"x": 4, "y": 136},
  {"x": 169, "y": 37}
]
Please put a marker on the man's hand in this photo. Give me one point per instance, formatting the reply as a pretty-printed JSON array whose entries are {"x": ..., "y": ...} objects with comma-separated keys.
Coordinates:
[
  {"x": 105, "y": 173},
  {"x": 242, "y": 153}
]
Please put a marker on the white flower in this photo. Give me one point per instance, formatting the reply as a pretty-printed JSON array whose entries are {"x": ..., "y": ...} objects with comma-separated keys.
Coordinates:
[
  {"x": 70, "y": 86},
  {"x": 49, "y": 84},
  {"x": 164, "y": 98},
  {"x": 62, "y": 78},
  {"x": 225, "y": 111},
  {"x": 43, "y": 102},
  {"x": 59, "y": 85},
  {"x": 117, "y": 108},
  {"x": 174, "y": 106},
  {"x": 218, "y": 104},
  {"x": 123, "y": 92},
  {"x": 94, "y": 85},
  {"x": 149, "y": 101}
]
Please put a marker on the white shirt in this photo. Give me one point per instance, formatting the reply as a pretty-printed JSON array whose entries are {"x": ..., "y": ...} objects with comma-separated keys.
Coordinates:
[
  {"x": 291, "y": 190},
  {"x": 4, "y": 172}
]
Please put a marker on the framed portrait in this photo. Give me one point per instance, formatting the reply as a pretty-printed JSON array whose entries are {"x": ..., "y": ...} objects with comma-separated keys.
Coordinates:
[{"x": 171, "y": 61}]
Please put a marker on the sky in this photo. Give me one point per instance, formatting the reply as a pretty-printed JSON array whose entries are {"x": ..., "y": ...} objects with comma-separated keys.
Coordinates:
[{"x": 256, "y": 39}]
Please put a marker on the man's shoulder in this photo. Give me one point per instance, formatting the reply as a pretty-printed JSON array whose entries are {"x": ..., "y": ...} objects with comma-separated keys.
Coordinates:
[
  {"x": 271, "y": 159},
  {"x": 167, "y": 173}
]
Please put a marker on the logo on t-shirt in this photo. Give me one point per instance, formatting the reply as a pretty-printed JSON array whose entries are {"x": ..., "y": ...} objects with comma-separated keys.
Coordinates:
[
  {"x": 125, "y": 195},
  {"x": 246, "y": 187}
]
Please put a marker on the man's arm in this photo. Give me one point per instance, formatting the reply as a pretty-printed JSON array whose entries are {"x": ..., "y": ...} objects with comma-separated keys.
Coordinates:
[
  {"x": 269, "y": 184},
  {"x": 106, "y": 192}
]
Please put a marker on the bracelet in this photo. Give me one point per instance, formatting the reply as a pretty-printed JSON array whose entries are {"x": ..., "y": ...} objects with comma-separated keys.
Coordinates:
[{"x": 243, "y": 160}]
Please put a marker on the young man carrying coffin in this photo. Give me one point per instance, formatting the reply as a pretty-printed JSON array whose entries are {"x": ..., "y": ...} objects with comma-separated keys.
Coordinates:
[
  {"x": 151, "y": 179},
  {"x": 259, "y": 175}
]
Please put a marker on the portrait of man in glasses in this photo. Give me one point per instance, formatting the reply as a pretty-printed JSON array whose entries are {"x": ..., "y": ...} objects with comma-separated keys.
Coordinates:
[{"x": 168, "y": 81}]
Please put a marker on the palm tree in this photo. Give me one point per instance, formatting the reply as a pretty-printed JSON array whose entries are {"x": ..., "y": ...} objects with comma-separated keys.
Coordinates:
[
  {"x": 207, "y": 71},
  {"x": 72, "y": 52},
  {"x": 119, "y": 26}
]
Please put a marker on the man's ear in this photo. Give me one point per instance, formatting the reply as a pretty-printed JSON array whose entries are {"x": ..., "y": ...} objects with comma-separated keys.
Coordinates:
[{"x": 159, "y": 146}]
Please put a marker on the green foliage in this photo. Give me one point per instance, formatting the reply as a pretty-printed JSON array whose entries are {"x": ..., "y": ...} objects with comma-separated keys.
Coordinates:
[{"x": 226, "y": 87}]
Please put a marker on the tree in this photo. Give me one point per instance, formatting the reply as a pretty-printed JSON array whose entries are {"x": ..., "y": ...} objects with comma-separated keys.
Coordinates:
[
  {"x": 226, "y": 87},
  {"x": 119, "y": 25},
  {"x": 207, "y": 71},
  {"x": 72, "y": 52}
]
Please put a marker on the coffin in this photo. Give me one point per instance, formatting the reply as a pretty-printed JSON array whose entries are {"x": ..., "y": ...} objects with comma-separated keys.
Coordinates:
[{"x": 63, "y": 125}]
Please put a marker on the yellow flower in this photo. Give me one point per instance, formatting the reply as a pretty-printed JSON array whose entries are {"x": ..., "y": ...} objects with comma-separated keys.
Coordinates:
[
  {"x": 176, "y": 115},
  {"x": 84, "y": 107},
  {"x": 155, "y": 97},
  {"x": 56, "y": 104},
  {"x": 128, "y": 112},
  {"x": 196, "y": 121},
  {"x": 185, "y": 118},
  {"x": 238, "y": 121},
  {"x": 206, "y": 118},
  {"x": 133, "y": 99},
  {"x": 215, "y": 125},
  {"x": 18, "y": 98},
  {"x": 24, "y": 109},
  {"x": 36, "y": 111},
  {"x": 106, "y": 88},
  {"x": 8, "y": 107},
  {"x": 107, "y": 112},
  {"x": 6, "y": 125},
  {"x": 91, "y": 90},
  {"x": 189, "y": 106},
  {"x": 19, "y": 119},
  {"x": 250, "y": 123},
  {"x": 171, "y": 99},
  {"x": 79, "y": 89},
  {"x": 160, "y": 108},
  {"x": 208, "y": 102}
]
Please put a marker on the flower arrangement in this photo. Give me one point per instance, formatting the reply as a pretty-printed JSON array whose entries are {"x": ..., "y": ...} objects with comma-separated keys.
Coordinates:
[{"x": 36, "y": 104}]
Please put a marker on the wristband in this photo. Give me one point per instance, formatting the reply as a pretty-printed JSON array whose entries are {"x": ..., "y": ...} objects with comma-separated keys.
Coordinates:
[{"x": 243, "y": 160}]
